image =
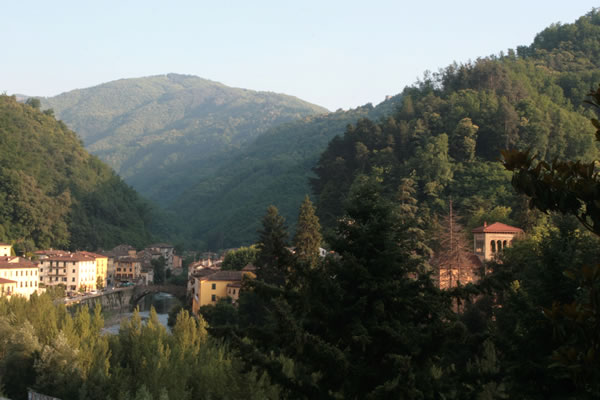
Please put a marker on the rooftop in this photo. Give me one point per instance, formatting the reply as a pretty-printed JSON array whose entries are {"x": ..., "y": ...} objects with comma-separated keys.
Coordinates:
[
  {"x": 4, "y": 281},
  {"x": 71, "y": 257},
  {"x": 497, "y": 227},
  {"x": 225, "y": 276},
  {"x": 16, "y": 262},
  {"x": 95, "y": 255}
]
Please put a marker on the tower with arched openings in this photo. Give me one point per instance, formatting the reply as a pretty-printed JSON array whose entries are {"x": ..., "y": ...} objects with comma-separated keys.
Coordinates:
[{"x": 488, "y": 240}]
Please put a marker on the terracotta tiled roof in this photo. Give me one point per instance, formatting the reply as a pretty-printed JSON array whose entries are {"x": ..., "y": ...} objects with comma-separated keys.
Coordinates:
[
  {"x": 19, "y": 263},
  {"x": 203, "y": 272},
  {"x": 71, "y": 257},
  {"x": 128, "y": 259},
  {"x": 234, "y": 285},
  {"x": 4, "y": 281},
  {"x": 225, "y": 276},
  {"x": 94, "y": 255},
  {"x": 249, "y": 267},
  {"x": 497, "y": 227},
  {"x": 5, "y": 244}
]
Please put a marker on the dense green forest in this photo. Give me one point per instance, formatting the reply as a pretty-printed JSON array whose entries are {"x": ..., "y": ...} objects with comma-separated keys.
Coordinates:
[
  {"x": 452, "y": 125},
  {"x": 53, "y": 193},
  {"x": 163, "y": 133}
]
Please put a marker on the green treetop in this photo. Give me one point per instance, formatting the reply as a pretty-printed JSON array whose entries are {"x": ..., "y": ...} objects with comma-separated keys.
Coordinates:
[
  {"x": 273, "y": 255},
  {"x": 307, "y": 239}
]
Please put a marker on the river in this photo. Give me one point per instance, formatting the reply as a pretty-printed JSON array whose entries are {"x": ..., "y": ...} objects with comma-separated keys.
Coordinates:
[{"x": 162, "y": 303}]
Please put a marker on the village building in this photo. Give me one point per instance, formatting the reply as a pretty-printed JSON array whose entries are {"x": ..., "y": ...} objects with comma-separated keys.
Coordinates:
[
  {"x": 19, "y": 276},
  {"x": 166, "y": 250},
  {"x": 7, "y": 287},
  {"x": 123, "y": 250},
  {"x": 489, "y": 240},
  {"x": 101, "y": 268},
  {"x": 5, "y": 249},
  {"x": 127, "y": 269},
  {"x": 41, "y": 254},
  {"x": 75, "y": 271},
  {"x": 221, "y": 284}
]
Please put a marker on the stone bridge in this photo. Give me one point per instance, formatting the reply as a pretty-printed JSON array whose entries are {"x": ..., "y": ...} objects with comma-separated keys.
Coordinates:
[
  {"x": 124, "y": 298},
  {"x": 140, "y": 292}
]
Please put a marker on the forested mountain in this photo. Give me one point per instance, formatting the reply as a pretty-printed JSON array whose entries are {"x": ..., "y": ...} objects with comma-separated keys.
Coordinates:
[
  {"x": 54, "y": 193},
  {"x": 159, "y": 132},
  {"x": 223, "y": 208},
  {"x": 452, "y": 125}
]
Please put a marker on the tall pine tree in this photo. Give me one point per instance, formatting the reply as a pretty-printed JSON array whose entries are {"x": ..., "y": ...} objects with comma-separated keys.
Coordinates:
[
  {"x": 274, "y": 257},
  {"x": 307, "y": 239}
]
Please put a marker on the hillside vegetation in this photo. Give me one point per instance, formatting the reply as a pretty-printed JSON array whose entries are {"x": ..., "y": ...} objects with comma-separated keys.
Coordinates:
[
  {"x": 160, "y": 132},
  {"x": 223, "y": 209},
  {"x": 53, "y": 193},
  {"x": 452, "y": 125}
]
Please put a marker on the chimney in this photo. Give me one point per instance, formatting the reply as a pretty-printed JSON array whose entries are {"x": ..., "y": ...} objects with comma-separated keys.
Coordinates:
[{"x": 484, "y": 224}]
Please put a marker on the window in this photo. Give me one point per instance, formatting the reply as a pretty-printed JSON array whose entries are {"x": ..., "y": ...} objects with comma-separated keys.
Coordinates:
[
  {"x": 213, "y": 297},
  {"x": 73, "y": 270},
  {"x": 64, "y": 279},
  {"x": 214, "y": 286},
  {"x": 73, "y": 279}
]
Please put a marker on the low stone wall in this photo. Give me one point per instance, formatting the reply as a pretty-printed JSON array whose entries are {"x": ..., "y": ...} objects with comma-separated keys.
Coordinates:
[{"x": 117, "y": 299}]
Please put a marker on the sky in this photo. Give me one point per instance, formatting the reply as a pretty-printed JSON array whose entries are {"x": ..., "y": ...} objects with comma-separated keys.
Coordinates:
[{"x": 337, "y": 54}]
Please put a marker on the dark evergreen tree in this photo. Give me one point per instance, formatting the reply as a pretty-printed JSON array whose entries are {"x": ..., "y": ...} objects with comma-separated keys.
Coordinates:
[
  {"x": 368, "y": 323},
  {"x": 274, "y": 257},
  {"x": 307, "y": 239}
]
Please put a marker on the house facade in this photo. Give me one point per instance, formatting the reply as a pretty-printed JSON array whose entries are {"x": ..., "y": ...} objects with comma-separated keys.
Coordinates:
[
  {"x": 101, "y": 268},
  {"x": 221, "y": 284},
  {"x": 5, "y": 249},
  {"x": 19, "y": 277},
  {"x": 127, "y": 269},
  {"x": 76, "y": 271}
]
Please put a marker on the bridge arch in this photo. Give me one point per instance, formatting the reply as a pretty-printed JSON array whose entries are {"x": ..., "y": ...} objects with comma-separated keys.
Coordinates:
[{"x": 142, "y": 291}]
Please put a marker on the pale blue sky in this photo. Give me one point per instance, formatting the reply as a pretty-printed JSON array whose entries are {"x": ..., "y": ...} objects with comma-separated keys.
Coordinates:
[{"x": 337, "y": 54}]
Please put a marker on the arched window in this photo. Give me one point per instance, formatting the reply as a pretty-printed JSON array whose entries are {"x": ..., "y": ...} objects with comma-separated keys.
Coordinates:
[
  {"x": 493, "y": 244},
  {"x": 504, "y": 244},
  {"x": 499, "y": 245}
]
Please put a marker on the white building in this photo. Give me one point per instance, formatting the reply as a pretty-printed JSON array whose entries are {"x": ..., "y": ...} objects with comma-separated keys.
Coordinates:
[
  {"x": 19, "y": 276},
  {"x": 75, "y": 271},
  {"x": 5, "y": 250}
]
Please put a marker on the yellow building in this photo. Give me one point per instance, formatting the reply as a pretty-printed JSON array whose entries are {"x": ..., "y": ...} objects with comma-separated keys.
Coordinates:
[
  {"x": 101, "y": 267},
  {"x": 488, "y": 240},
  {"x": 20, "y": 276},
  {"x": 209, "y": 289}
]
